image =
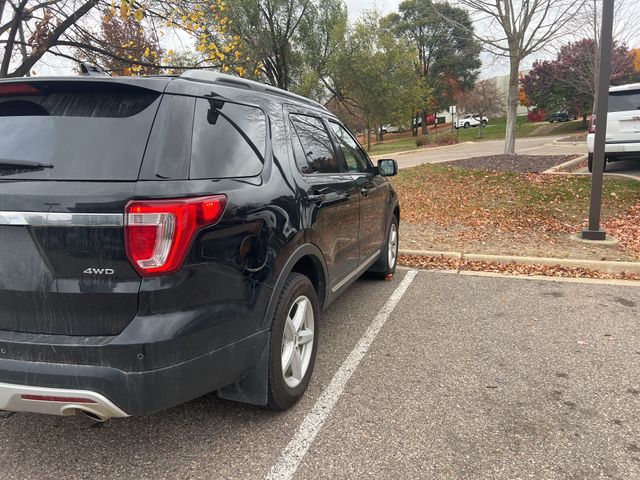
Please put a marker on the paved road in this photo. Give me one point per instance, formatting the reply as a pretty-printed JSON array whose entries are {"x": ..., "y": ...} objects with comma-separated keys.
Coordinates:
[
  {"x": 470, "y": 378},
  {"x": 527, "y": 146},
  {"x": 624, "y": 167}
]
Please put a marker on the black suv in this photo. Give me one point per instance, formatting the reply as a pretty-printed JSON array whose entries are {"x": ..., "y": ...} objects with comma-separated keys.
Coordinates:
[{"x": 166, "y": 237}]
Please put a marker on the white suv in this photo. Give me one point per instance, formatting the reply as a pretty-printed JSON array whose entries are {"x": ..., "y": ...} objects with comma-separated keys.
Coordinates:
[
  {"x": 471, "y": 120},
  {"x": 623, "y": 125}
]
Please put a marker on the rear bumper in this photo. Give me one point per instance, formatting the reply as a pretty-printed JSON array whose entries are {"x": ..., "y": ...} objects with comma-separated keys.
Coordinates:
[
  {"x": 120, "y": 393},
  {"x": 615, "y": 148},
  {"x": 56, "y": 401}
]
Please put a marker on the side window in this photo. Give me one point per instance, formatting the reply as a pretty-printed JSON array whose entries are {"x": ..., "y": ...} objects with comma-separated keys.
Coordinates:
[
  {"x": 355, "y": 158},
  {"x": 312, "y": 145},
  {"x": 229, "y": 140}
]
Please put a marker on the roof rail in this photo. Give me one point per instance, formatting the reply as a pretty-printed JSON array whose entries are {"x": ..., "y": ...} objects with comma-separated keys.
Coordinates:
[{"x": 230, "y": 80}]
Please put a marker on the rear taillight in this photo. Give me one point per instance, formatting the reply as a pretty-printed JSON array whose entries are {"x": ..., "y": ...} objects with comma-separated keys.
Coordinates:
[
  {"x": 592, "y": 124},
  {"x": 50, "y": 398},
  {"x": 14, "y": 89},
  {"x": 158, "y": 233}
]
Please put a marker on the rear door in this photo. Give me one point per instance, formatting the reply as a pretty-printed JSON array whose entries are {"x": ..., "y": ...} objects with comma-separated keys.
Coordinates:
[
  {"x": 331, "y": 199},
  {"x": 373, "y": 190},
  {"x": 70, "y": 155},
  {"x": 623, "y": 124}
]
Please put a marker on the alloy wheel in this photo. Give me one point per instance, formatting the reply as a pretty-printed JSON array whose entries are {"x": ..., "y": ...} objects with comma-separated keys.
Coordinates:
[{"x": 297, "y": 341}]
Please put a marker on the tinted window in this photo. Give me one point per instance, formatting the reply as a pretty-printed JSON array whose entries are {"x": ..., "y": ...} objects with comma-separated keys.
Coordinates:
[
  {"x": 312, "y": 145},
  {"x": 168, "y": 154},
  {"x": 353, "y": 154},
  {"x": 229, "y": 140},
  {"x": 624, "y": 101},
  {"x": 88, "y": 135}
]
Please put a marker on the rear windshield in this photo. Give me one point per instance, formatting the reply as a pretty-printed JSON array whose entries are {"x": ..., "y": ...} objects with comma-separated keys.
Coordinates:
[
  {"x": 624, "y": 101},
  {"x": 83, "y": 135}
]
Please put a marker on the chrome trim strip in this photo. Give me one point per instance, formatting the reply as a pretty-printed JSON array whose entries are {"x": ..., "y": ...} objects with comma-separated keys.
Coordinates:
[
  {"x": 48, "y": 219},
  {"x": 366, "y": 264}
]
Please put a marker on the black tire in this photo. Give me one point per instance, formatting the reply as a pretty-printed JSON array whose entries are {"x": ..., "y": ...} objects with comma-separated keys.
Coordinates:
[
  {"x": 483, "y": 123},
  {"x": 590, "y": 163},
  {"x": 467, "y": 125},
  {"x": 281, "y": 395},
  {"x": 388, "y": 269}
]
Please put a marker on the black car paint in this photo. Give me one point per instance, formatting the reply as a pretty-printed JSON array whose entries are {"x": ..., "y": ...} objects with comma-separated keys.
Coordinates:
[{"x": 154, "y": 342}]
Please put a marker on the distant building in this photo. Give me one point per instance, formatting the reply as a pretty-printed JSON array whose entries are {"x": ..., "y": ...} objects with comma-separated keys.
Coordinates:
[{"x": 502, "y": 82}]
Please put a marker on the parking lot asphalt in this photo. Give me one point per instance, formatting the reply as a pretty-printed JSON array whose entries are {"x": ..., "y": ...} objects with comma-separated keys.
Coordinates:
[
  {"x": 463, "y": 377},
  {"x": 629, "y": 167}
]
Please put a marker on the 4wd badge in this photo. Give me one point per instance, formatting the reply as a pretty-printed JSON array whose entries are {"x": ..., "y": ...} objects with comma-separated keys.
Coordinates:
[{"x": 99, "y": 271}]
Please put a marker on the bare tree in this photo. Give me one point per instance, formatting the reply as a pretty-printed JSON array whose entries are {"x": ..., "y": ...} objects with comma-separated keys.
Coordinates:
[
  {"x": 626, "y": 32},
  {"x": 29, "y": 29},
  {"x": 515, "y": 30}
]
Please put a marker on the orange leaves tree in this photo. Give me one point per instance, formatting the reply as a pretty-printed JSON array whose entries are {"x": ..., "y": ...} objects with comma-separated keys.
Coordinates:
[
  {"x": 123, "y": 46},
  {"x": 119, "y": 35}
]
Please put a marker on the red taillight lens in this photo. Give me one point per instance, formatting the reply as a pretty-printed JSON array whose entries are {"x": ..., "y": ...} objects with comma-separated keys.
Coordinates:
[
  {"x": 592, "y": 124},
  {"x": 11, "y": 89},
  {"x": 158, "y": 233},
  {"x": 50, "y": 398}
]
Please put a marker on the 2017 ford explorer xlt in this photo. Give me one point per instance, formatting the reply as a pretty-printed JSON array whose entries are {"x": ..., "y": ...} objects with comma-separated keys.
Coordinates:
[{"x": 166, "y": 237}]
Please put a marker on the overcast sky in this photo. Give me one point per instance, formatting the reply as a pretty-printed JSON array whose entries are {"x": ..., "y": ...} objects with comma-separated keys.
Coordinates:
[{"x": 355, "y": 7}]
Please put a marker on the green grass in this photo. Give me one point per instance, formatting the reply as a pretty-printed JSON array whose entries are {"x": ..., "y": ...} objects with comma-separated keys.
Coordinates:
[{"x": 494, "y": 131}]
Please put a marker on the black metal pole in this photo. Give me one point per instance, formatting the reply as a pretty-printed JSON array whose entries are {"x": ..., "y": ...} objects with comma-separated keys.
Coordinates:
[{"x": 594, "y": 232}]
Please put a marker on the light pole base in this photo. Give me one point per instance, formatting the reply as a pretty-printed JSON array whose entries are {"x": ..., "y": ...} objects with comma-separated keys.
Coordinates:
[{"x": 599, "y": 235}]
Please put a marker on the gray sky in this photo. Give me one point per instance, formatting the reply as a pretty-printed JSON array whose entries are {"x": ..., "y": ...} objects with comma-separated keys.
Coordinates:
[{"x": 355, "y": 7}]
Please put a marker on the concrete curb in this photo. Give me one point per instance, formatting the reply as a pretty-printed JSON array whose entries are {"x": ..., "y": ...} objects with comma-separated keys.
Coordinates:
[
  {"x": 569, "y": 164},
  {"x": 601, "y": 266}
]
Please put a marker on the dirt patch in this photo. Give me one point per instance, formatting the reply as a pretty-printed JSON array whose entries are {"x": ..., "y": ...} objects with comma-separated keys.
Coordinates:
[
  {"x": 506, "y": 213},
  {"x": 513, "y": 163},
  {"x": 460, "y": 238},
  {"x": 579, "y": 138},
  {"x": 441, "y": 263}
]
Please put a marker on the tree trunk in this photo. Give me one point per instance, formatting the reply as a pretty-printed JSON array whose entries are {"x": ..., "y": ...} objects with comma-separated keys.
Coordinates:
[
  {"x": 368, "y": 137},
  {"x": 512, "y": 107},
  {"x": 424, "y": 122},
  {"x": 585, "y": 123}
]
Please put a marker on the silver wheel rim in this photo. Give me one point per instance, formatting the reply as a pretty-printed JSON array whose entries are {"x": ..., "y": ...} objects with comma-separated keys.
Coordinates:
[
  {"x": 297, "y": 341},
  {"x": 393, "y": 246}
]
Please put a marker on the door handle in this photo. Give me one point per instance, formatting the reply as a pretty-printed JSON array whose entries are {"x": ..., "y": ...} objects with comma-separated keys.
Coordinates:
[{"x": 316, "y": 198}]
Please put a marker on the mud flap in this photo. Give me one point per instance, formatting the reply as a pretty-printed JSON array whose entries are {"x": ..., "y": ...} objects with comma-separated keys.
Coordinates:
[{"x": 254, "y": 387}]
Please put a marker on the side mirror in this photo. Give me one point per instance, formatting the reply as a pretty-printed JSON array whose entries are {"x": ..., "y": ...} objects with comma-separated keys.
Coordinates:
[{"x": 387, "y": 167}]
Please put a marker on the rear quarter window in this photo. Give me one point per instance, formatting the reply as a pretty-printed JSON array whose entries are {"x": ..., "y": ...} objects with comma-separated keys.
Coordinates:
[{"x": 229, "y": 140}]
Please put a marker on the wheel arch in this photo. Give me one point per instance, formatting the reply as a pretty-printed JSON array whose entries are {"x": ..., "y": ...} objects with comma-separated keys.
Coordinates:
[{"x": 253, "y": 388}]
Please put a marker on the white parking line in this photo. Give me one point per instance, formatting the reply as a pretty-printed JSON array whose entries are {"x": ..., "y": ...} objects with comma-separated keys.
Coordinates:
[{"x": 292, "y": 455}]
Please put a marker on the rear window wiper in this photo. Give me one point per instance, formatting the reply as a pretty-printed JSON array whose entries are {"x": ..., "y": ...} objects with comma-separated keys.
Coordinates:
[{"x": 23, "y": 164}]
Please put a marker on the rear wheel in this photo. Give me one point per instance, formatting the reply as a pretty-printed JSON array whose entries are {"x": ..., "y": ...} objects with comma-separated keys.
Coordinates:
[
  {"x": 294, "y": 341},
  {"x": 467, "y": 125},
  {"x": 590, "y": 163},
  {"x": 484, "y": 123},
  {"x": 389, "y": 254}
]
